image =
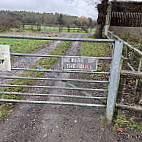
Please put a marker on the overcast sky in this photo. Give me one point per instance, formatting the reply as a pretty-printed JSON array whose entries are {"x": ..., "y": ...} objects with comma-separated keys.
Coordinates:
[{"x": 78, "y": 7}]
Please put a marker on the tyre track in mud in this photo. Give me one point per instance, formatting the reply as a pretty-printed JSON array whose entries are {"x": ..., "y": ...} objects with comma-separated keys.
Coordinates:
[
  {"x": 22, "y": 112},
  {"x": 21, "y": 63}
]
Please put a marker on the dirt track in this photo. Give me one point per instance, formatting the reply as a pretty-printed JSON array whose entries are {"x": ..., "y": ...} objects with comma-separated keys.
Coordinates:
[{"x": 47, "y": 123}]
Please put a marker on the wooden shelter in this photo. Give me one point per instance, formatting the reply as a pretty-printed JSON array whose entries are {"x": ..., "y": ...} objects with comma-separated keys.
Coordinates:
[{"x": 124, "y": 14}]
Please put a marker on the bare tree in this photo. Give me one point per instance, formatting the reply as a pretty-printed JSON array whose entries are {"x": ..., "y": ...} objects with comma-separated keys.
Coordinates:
[{"x": 102, "y": 12}]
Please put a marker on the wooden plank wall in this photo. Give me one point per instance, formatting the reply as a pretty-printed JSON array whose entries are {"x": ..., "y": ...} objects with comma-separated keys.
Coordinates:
[
  {"x": 126, "y": 14},
  {"x": 126, "y": 19}
]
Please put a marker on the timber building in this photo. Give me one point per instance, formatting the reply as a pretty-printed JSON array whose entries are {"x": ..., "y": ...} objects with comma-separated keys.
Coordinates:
[{"x": 124, "y": 16}]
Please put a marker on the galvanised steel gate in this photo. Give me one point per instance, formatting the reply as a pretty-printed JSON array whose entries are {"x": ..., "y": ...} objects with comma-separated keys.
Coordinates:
[{"x": 111, "y": 89}]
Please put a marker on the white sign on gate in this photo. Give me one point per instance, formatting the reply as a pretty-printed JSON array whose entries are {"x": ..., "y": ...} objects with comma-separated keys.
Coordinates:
[
  {"x": 5, "y": 64},
  {"x": 79, "y": 63}
]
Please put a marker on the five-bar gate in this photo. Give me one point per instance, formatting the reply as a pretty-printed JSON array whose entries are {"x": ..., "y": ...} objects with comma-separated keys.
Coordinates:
[{"x": 82, "y": 65}]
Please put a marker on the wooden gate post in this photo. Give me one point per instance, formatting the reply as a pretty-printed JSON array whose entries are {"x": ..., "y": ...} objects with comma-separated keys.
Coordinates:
[{"x": 114, "y": 80}]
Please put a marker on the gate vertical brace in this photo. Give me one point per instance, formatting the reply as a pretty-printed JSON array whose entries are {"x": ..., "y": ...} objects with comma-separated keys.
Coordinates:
[{"x": 114, "y": 80}]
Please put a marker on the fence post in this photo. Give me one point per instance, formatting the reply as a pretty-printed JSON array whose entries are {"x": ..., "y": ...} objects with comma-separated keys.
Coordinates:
[
  {"x": 114, "y": 81},
  {"x": 44, "y": 30},
  {"x": 137, "y": 87},
  {"x": 139, "y": 69},
  {"x": 112, "y": 34}
]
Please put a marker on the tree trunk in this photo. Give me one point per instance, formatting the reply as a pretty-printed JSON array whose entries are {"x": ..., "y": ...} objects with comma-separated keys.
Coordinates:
[
  {"x": 98, "y": 33},
  {"x": 102, "y": 12}
]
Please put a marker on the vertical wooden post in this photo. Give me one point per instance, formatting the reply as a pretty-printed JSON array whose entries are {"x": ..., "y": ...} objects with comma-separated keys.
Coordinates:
[
  {"x": 44, "y": 30},
  {"x": 68, "y": 29},
  {"x": 108, "y": 18},
  {"x": 112, "y": 34},
  {"x": 139, "y": 69},
  {"x": 78, "y": 30},
  {"x": 126, "y": 54},
  {"x": 32, "y": 27},
  {"x": 137, "y": 89},
  {"x": 59, "y": 28},
  {"x": 114, "y": 80}
]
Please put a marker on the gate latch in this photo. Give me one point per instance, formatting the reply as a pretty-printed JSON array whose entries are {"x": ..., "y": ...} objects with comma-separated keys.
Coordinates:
[{"x": 5, "y": 64}]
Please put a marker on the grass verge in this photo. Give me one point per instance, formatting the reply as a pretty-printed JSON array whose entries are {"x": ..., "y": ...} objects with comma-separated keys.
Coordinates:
[
  {"x": 94, "y": 49},
  {"x": 121, "y": 123},
  {"x": 97, "y": 50},
  {"x": 124, "y": 122}
]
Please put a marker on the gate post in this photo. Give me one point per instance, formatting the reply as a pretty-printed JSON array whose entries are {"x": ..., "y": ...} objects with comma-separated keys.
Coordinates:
[{"x": 114, "y": 80}]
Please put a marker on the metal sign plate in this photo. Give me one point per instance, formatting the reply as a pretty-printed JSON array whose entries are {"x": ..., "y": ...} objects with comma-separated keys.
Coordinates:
[
  {"x": 5, "y": 64},
  {"x": 79, "y": 63}
]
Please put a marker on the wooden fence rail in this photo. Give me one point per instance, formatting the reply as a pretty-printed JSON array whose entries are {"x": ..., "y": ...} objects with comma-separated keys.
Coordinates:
[{"x": 131, "y": 70}]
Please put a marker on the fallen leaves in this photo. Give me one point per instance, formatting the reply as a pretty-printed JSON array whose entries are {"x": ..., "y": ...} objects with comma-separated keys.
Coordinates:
[{"x": 119, "y": 129}]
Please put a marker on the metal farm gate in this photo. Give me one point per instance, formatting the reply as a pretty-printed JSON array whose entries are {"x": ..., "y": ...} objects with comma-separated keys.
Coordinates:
[{"x": 70, "y": 64}]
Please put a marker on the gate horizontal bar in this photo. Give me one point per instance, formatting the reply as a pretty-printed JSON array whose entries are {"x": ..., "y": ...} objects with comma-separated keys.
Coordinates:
[
  {"x": 57, "y": 79},
  {"x": 59, "y": 71},
  {"x": 58, "y": 56},
  {"x": 54, "y": 87},
  {"x": 53, "y": 95},
  {"x": 52, "y": 103},
  {"x": 57, "y": 38}
]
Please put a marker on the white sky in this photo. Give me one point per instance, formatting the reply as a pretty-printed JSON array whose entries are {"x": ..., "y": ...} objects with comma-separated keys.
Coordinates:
[
  {"x": 71, "y": 7},
  {"x": 77, "y": 7}
]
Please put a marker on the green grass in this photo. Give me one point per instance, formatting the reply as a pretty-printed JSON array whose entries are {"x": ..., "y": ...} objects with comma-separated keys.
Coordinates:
[
  {"x": 44, "y": 62},
  {"x": 94, "y": 49},
  {"x": 134, "y": 40},
  {"x": 124, "y": 122},
  {"x": 50, "y": 29},
  {"x": 103, "y": 121},
  {"x": 23, "y": 45}
]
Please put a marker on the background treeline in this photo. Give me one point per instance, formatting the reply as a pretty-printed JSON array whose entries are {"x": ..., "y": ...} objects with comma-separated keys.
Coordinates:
[{"x": 14, "y": 19}]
